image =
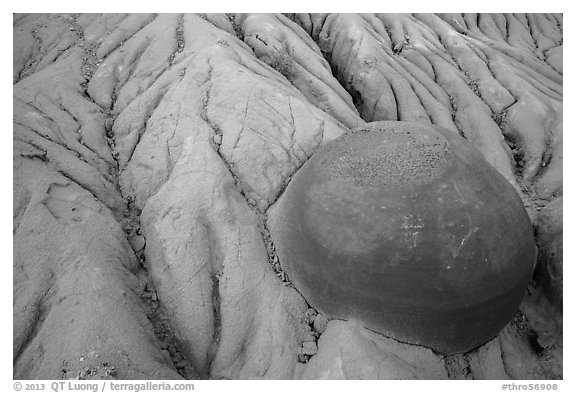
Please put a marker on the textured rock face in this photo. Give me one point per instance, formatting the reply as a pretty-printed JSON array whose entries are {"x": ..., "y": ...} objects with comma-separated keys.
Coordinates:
[
  {"x": 148, "y": 149},
  {"x": 549, "y": 232},
  {"x": 409, "y": 230}
]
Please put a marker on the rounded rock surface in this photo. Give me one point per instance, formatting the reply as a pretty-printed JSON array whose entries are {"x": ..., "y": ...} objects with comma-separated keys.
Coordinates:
[{"x": 407, "y": 229}]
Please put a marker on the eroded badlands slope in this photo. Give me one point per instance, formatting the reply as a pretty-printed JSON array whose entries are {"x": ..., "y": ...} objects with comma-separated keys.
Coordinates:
[{"x": 148, "y": 149}]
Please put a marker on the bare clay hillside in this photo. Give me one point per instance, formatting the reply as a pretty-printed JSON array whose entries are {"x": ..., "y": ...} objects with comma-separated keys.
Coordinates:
[{"x": 150, "y": 148}]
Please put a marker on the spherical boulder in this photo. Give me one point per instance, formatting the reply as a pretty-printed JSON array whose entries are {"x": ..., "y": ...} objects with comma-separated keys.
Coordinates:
[{"x": 407, "y": 229}]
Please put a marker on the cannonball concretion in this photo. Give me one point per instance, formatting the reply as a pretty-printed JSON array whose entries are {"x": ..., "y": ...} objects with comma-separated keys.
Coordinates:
[{"x": 405, "y": 228}]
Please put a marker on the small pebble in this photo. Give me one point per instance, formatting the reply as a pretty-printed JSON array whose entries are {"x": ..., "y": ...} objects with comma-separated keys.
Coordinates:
[
  {"x": 137, "y": 243},
  {"x": 310, "y": 336},
  {"x": 309, "y": 315},
  {"x": 320, "y": 323},
  {"x": 309, "y": 348},
  {"x": 302, "y": 358}
]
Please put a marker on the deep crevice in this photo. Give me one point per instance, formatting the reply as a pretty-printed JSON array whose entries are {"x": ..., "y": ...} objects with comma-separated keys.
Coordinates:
[
  {"x": 155, "y": 311},
  {"x": 180, "y": 43},
  {"x": 29, "y": 66},
  {"x": 453, "y": 110},
  {"x": 129, "y": 219},
  {"x": 237, "y": 28},
  {"x": 213, "y": 349}
]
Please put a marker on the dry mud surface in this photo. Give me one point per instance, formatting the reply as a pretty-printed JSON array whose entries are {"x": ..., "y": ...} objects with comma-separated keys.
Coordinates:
[{"x": 148, "y": 149}]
